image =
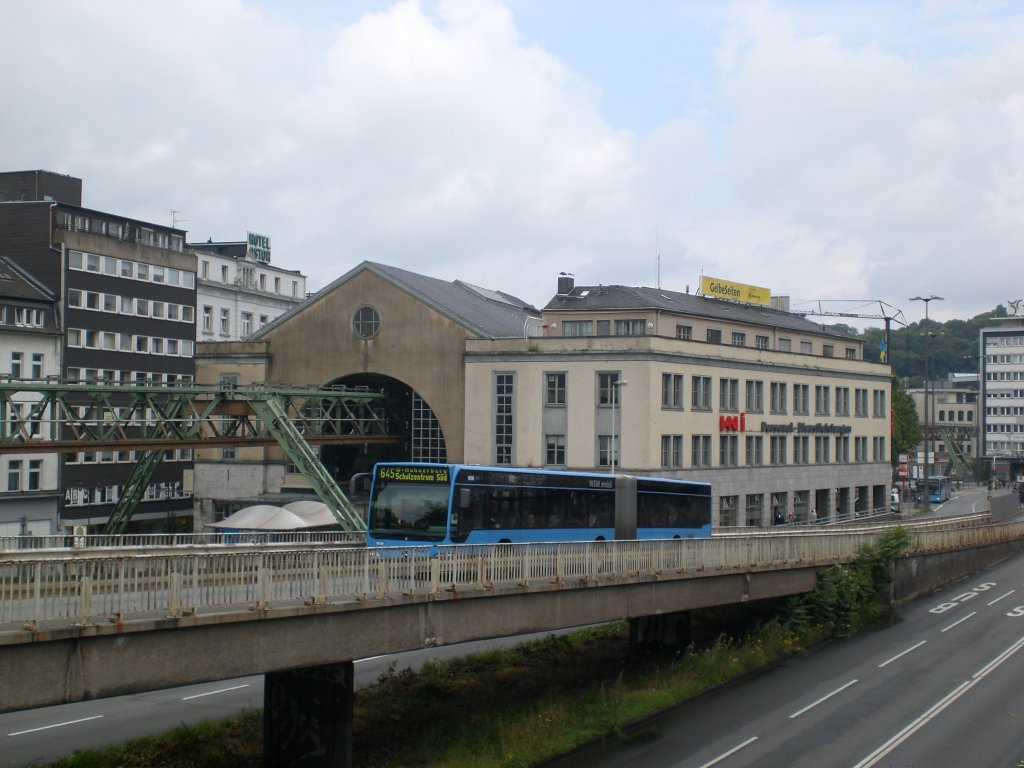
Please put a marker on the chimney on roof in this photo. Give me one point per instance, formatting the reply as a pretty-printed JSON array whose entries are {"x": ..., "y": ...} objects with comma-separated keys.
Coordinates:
[{"x": 565, "y": 283}]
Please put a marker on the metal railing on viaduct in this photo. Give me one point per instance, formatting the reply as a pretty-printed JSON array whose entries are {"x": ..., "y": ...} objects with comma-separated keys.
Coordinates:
[{"x": 91, "y": 623}]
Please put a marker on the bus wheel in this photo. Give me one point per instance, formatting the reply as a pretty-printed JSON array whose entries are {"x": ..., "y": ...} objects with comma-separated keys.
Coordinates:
[
  {"x": 600, "y": 538},
  {"x": 677, "y": 536},
  {"x": 505, "y": 541}
]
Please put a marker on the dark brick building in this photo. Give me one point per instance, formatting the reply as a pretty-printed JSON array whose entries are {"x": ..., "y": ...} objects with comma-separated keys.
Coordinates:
[{"x": 127, "y": 292}]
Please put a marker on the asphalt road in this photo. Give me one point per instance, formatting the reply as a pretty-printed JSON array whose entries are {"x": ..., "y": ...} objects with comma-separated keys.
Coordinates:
[
  {"x": 942, "y": 687},
  {"x": 48, "y": 733}
]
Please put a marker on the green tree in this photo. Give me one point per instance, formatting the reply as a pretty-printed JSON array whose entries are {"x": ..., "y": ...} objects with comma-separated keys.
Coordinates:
[{"x": 906, "y": 427}]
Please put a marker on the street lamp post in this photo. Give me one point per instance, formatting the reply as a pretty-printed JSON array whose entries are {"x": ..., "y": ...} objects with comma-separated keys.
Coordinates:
[
  {"x": 617, "y": 386},
  {"x": 926, "y": 497}
]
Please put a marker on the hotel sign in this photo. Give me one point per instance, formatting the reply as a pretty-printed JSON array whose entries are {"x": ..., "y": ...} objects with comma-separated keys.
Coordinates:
[
  {"x": 259, "y": 247},
  {"x": 724, "y": 289}
]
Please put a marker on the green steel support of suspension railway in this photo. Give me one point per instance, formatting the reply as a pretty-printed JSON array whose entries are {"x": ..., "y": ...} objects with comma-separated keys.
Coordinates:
[{"x": 57, "y": 416}]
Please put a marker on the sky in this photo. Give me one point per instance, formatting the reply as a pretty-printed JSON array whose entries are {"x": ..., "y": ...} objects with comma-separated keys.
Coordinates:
[{"x": 848, "y": 155}]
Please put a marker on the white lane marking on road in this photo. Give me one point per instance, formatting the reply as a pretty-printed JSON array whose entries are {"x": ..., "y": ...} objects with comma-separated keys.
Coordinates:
[
  {"x": 55, "y": 725},
  {"x": 210, "y": 693},
  {"x": 826, "y": 697},
  {"x": 938, "y": 707},
  {"x": 1002, "y": 596},
  {"x": 959, "y": 621},
  {"x": 732, "y": 751},
  {"x": 901, "y": 654}
]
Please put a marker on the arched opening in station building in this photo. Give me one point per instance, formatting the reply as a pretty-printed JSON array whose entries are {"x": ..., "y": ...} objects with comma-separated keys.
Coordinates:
[{"x": 409, "y": 419}]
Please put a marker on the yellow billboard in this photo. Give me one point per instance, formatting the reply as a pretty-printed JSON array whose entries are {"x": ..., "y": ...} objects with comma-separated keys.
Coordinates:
[{"x": 725, "y": 289}]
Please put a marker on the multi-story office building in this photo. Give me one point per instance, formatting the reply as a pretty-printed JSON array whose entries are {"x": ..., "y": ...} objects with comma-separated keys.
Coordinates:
[
  {"x": 239, "y": 291},
  {"x": 953, "y": 419},
  {"x": 784, "y": 418},
  {"x": 1002, "y": 394},
  {"x": 128, "y": 292},
  {"x": 30, "y": 343}
]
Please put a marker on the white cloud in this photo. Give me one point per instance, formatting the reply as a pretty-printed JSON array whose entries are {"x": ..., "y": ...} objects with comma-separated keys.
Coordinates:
[{"x": 875, "y": 154}]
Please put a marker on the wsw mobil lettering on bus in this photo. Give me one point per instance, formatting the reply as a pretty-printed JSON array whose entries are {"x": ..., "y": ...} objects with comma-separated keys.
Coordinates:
[{"x": 738, "y": 423}]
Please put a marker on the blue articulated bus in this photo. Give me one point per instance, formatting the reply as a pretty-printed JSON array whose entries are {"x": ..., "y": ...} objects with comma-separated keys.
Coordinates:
[
  {"x": 938, "y": 489},
  {"x": 438, "y": 504}
]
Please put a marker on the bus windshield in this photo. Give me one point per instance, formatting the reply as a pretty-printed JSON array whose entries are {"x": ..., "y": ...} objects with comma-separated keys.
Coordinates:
[{"x": 409, "y": 511}]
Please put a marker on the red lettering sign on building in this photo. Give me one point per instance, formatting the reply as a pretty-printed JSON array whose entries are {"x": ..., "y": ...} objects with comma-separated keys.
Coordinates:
[{"x": 732, "y": 423}]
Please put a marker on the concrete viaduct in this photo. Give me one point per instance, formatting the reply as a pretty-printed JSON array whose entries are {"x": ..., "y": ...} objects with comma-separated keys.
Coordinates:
[{"x": 89, "y": 624}]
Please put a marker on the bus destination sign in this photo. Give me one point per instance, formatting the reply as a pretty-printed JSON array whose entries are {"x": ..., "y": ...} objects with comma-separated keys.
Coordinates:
[{"x": 413, "y": 474}]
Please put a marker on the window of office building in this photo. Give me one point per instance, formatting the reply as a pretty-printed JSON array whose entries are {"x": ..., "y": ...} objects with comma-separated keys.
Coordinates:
[
  {"x": 842, "y": 401},
  {"x": 727, "y": 510},
  {"x": 714, "y": 336},
  {"x": 821, "y": 449},
  {"x": 755, "y": 505},
  {"x": 554, "y": 450},
  {"x": 860, "y": 402},
  {"x": 779, "y": 502},
  {"x": 728, "y": 450},
  {"x": 761, "y": 342},
  {"x": 629, "y": 327},
  {"x": 672, "y": 391},
  {"x": 777, "y": 450},
  {"x": 755, "y": 450},
  {"x": 684, "y": 332},
  {"x": 822, "y": 398},
  {"x": 607, "y": 451},
  {"x": 729, "y": 395},
  {"x": 504, "y": 393},
  {"x": 778, "y": 395},
  {"x": 577, "y": 328},
  {"x": 739, "y": 339},
  {"x": 671, "y": 451},
  {"x": 700, "y": 451},
  {"x": 801, "y": 399},
  {"x": 755, "y": 396},
  {"x": 554, "y": 390},
  {"x": 878, "y": 400},
  {"x": 700, "y": 393},
  {"x": 801, "y": 449},
  {"x": 608, "y": 385}
]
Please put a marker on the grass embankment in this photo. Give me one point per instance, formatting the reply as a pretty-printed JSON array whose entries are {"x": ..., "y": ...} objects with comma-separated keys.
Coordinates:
[{"x": 523, "y": 705}]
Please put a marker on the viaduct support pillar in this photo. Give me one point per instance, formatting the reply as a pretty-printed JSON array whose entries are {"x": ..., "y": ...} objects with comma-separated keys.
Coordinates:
[
  {"x": 307, "y": 717},
  {"x": 660, "y": 633}
]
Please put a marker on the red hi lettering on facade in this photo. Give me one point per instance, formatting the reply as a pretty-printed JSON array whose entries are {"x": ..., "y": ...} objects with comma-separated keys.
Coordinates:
[{"x": 732, "y": 423}]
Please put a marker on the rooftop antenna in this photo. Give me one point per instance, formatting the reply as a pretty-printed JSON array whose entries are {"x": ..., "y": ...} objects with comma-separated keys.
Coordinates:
[
  {"x": 174, "y": 218},
  {"x": 657, "y": 253}
]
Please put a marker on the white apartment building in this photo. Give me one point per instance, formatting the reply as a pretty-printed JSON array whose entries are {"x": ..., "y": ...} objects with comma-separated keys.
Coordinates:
[
  {"x": 29, "y": 349},
  {"x": 1002, "y": 373},
  {"x": 239, "y": 291}
]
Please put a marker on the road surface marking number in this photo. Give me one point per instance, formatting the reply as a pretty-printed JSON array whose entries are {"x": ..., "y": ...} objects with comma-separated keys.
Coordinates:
[
  {"x": 943, "y": 607},
  {"x": 56, "y": 725}
]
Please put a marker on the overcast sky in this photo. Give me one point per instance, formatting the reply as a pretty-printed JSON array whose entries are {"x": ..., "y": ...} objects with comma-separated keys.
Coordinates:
[{"x": 855, "y": 151}]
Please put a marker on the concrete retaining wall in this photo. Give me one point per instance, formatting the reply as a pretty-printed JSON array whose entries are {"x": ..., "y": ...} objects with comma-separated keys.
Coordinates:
[{"x": 924, "y": 574}]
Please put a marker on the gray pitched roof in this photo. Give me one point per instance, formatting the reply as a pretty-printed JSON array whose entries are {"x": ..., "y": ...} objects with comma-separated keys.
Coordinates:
[
  {"x": 483, "y": 312},
  {"x": 609, "y": 298},
  {"x": 15, "y": 283}
]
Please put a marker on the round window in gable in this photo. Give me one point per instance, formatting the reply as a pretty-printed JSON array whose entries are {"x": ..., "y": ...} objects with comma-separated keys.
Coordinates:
[{"x": 366, "y": 322}]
